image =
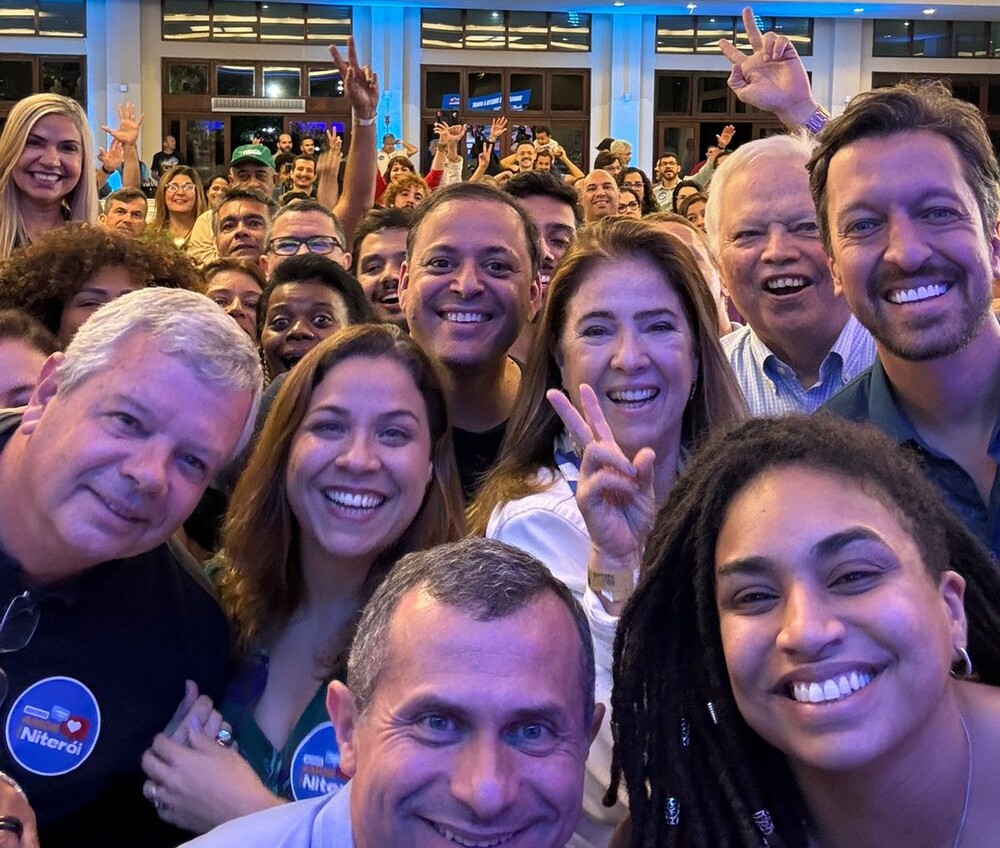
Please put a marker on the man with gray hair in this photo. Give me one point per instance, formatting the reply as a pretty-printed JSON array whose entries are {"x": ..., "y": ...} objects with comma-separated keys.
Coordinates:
[
  {"x": 467, "y": 716},
  {"x": 105, "y": 617},
  {"x": 800, "y": 343}
]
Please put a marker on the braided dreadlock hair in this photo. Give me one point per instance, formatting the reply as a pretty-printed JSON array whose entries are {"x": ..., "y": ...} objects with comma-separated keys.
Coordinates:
[{"x": 702, "y": 766}]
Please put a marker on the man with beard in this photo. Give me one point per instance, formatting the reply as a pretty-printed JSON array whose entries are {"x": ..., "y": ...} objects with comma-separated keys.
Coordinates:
[
  {"x": 915, "y": 253},
  {"x": 907, "y": 193}
]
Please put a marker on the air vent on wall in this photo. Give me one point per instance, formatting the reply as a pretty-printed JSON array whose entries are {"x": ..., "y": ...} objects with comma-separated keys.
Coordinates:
[{"x": 258, "y": 105}]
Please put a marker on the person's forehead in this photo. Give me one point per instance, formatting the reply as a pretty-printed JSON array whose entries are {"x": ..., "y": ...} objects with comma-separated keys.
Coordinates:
[
  {"x": 384, "y": 241},
  {"x": 303, "y": 225},
  {"x": 545, "y": 210},
  {"x": 135, "y": 205},
  {"x": 233, "y": 279},
  {"x": 440, "y": 650},
  {"x": 449, "y": 224},
  {"x": 243, "y": 208},
  {"x": 303, "y": 295},
  {"x": 601, "y": 178},
  {"x": 56, "y": 126},
  {"x": 786, "y": 181}
]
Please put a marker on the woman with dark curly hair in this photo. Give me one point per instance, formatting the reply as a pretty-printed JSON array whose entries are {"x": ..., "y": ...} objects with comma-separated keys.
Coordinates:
[
  {"x": 354, "y": 468},
  {"x": 180, "y": 199},
  {"x": 796, "y": 666},
  {"x": 636, "y": 181},
  {"x": 68, "y": 273}
]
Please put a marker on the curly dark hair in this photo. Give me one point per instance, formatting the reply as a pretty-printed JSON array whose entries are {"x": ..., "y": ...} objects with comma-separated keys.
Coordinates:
[
  {"x": 43, "y": 277},
  {"x": 668, "y": 657}
]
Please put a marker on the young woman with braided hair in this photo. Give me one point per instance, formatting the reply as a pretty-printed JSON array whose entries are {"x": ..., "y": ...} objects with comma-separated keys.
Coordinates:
[{"x": 792, "y": 669}]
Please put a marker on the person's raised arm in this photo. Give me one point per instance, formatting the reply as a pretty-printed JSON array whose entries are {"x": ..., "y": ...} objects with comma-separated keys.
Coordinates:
[
  {"x": 772, "y": 77},
  {"x": 127, "y": 134},
  {"x": 409, "y": 148},
  {"x": 483, "y": 164},
  {"x": 569, "y": 164},
  {"x": 358, "y": 196},
  {"x": 615, "y": 496},
  {"x": 328, "y": 171}
]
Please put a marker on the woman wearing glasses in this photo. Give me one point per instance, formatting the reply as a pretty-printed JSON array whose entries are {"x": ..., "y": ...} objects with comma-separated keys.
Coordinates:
[{"x": 180, "y": 199}]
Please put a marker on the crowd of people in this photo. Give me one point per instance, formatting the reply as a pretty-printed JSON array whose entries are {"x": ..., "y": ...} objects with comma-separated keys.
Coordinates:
[{"x": 505, "y": 504}]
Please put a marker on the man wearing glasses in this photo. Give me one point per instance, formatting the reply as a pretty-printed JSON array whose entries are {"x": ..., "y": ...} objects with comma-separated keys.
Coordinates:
[
  {"x": 304, "y": 226},
  {"x": 105, "y": 623}
]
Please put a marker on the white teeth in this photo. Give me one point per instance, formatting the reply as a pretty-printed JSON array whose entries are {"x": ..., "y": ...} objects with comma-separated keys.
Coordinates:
[
  {"x": 464, "y": 317},
  {"x": 483, "y": 843},
  {"x": 633, "y": 395},
  {"x": 47, "y": 178},
  {"x": 819, "y": 692},
  {"x": 785, "y": 283},
  {"x": 917, "y": 294},
  {"x": 354, "y": 500}
]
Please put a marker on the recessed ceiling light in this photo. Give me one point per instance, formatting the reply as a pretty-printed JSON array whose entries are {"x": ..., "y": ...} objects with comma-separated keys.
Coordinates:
[
  {"x": 691, "y": 7},
  {"x": 619, "y": 2},
  {"x": 929, "y": 11},
  {"x": 858, "y": 10}
]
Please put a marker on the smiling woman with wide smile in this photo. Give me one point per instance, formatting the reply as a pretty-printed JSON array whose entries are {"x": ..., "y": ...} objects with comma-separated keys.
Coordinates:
[
  {"x": 795, "y": 664},
  {"x": 45, "y": 147},
  {"x": 629, "y": 332}
]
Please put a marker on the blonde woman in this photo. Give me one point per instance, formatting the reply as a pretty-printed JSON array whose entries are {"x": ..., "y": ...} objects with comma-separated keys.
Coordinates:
[{"x": 45, "y": 178}]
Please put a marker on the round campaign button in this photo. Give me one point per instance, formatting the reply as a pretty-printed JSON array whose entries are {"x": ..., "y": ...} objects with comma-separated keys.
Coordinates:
[
  {"x": 316, "y": 764},
  {"x": 53, "y": 726}
]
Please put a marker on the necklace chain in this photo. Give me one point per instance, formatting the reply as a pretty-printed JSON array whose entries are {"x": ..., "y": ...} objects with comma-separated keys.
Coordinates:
[{"x": 968, "y": 783}]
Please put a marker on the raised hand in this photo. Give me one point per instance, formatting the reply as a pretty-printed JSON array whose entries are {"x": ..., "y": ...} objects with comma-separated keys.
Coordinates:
[
  {"x": 112, "y": 158},
  {"x": 772, "y": 77},
  {"x": 498, "y": 126},
  {"x": 360, "y": 83},
  {"x": 484, "y": 155},
  {"x": 614, "y": 493},
  {"x": 726, "y": 136},
  {"x": 127, "y": 131},
  {"x": 456, "y": 132},
  {"x": 328, "y": 161}
]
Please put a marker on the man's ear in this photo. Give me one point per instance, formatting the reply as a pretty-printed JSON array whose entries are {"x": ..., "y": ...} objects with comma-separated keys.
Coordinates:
[
  {"x": 343, "y": 712},
  {"x": 45, "y": 390},
  {"x": 404, "y": 282},
  {"x": 595, "y": 723},
  {"x": 345, "y": 260},
  {"x": 262, "y": 264},
  {"x": 838, "y": 286}
]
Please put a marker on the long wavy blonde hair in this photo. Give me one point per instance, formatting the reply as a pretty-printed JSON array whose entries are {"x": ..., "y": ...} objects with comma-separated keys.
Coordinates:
[{"x": 81, "y": 199}]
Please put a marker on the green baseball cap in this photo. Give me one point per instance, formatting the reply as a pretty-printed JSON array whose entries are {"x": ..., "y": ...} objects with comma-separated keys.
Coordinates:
[{"x": 252, "y": 153}]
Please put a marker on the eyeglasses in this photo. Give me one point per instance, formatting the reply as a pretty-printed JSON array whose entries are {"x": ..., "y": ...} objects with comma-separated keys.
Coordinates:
[
  {"x": 632, "y": 205},
  {"x": 187, "y": 188},
  {"x": 289, "y": 245},
  {"x": 635, "y": 186},
  {"x": 17, "y": 626}
]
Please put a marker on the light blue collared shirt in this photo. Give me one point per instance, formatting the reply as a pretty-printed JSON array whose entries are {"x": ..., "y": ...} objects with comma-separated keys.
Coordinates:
[{"x": 771, "y": 386}]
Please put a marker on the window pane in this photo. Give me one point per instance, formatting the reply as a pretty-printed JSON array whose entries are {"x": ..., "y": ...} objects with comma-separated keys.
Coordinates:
[
  {"x": 282, "y": 22},
  {"x": 568, "y": 93},
  {"x": 62, "y": 17},
  {"x": 484, "y": 30},
  {"x": 993, "y": 103},
  {"x": 673, "y": 94},
  {"x": 282, "y": 81},
  {"x": 15, "y": 79},
  {"x": 892, "y": 38},
  {"x": 328, "y": 24},
  {"x": 187, "y": 79},
  {"x": 971, "y": 39},
  {"x": 325, "y": 82},
  {"x": 528, "y": 30},
  {"x": 206, "y": 145},
  {"x": 234, "y": 20},
  {"x": 713, "y": 95},
  {"x": 931, "y": 38},
  {"x": 710, "y": 30},
  {"x": 525, "y": 92},
  {"x": 441, "y": 28},
  {"x": 569, "y": 31},
  {"x": 442, "y": 90},
  {"x": 234, "y": 80},
  {"x": 185, "y": 20},
  {"x": 485, "y": 92},
  {"x": 19, "y": 19},
  {"x": 798, "y": 31},
  {"x": 995, "y": 37},
  {"x": 967, "y": 90},
  {"x": 60, "y": 76},
  {"x": 674, "y": 34}
]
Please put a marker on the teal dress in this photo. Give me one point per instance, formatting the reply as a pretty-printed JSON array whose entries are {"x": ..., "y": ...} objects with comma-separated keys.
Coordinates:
[{"x": 309, "y": 763}]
